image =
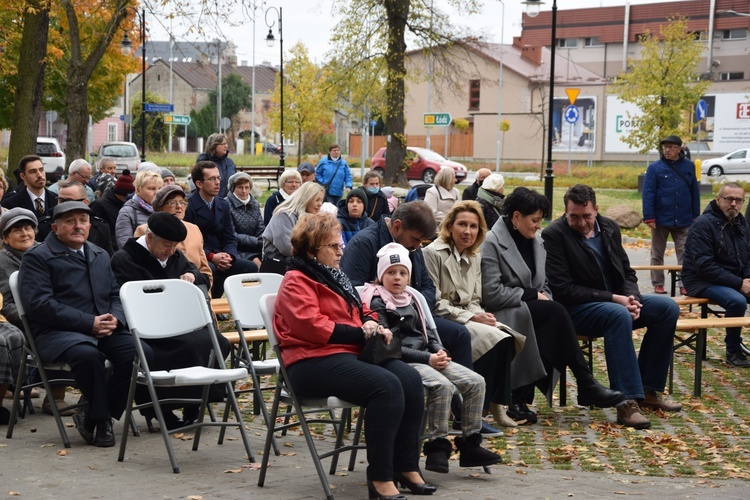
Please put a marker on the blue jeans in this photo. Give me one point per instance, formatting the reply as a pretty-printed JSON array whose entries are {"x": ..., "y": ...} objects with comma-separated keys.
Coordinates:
[
  {"x": 735, "y": 305},
  {"x": 630, "y": 375}
]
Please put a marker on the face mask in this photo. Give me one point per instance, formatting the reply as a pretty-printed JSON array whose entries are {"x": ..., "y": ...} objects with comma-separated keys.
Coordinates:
[{"x": 373, "y": 190}]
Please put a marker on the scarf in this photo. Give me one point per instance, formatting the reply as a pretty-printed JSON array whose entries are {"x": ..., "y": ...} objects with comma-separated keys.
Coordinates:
[
  {"x": 393, "y": 301},
  {"x": 145, "y": 206},
  {"x": 333, "y": 278},
  {"x": 494, "y": 199}
]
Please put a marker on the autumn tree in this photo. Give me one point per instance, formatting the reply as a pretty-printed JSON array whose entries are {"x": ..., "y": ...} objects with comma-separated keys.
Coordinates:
[
  {"x": 378, "y": 29},
  {"x": 664, "y": 84},
  {"x": 29, "y": 76},
  {"x": 308, "y": 103}
]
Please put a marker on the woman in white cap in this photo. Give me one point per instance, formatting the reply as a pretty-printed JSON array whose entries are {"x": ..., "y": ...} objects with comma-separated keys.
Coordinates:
[{"x": 490, "y": 196}]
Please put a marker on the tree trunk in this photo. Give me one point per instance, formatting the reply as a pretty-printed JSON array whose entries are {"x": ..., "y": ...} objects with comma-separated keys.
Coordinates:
[
  {"x": 79, "y": 73},
  {"x": 29, "y": 89},
  {"x": 397, "y": 12}
]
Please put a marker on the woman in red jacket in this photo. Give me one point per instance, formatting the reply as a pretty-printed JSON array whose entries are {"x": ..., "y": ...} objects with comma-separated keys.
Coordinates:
[{"x": 321, "y": 326}]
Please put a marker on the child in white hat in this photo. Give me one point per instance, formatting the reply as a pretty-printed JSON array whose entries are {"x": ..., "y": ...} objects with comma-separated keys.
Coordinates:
[{"x": 399, "y": 311}]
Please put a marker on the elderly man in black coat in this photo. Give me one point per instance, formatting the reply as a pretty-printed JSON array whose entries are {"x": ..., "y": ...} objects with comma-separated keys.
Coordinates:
[{"x": 74, "y": 309}]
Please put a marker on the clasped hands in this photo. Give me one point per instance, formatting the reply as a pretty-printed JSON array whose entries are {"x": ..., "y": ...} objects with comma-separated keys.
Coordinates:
[
  {"x": 104, "y": 325},
  {"x": 629, "y": 302},
  {"x": 372, "y": 327}
]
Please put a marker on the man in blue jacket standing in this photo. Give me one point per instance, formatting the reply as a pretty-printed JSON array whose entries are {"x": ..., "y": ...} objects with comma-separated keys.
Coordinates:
[
  {"x": 671, "y": 202},
  {"x": 333, "y": 174}
]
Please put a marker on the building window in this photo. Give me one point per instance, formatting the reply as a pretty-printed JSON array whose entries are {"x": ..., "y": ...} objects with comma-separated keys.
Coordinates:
[
  {"x": 732, "y": 75},
  {"x": 567, "y": 43},
  {"x": 591, "y": 42},
  {"x": 735, "y": 34},
  {"x": 699, "y": 36},
  {"x": 111, "y": 132},
  {"x": 473, "y": 95}
]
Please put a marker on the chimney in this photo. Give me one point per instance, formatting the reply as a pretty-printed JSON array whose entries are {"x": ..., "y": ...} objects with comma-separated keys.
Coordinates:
[{"x": 532, "y": 53}]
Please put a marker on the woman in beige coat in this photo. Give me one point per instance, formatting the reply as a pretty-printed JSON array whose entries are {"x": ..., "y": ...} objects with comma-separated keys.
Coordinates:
[
  {"x": 454, "y": 264},
  {"x": 443, "y": 195},
  {"x": 172, "y": 199}
]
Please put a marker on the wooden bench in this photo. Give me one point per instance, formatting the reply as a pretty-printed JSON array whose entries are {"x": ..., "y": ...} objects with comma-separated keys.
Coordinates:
[
  {"x": 220, "y": 306},
  {"x": 269, "y": 174}
]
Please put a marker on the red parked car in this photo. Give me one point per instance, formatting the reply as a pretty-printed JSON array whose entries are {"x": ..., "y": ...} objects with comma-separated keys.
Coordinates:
[{"x": 424, "y": 164}]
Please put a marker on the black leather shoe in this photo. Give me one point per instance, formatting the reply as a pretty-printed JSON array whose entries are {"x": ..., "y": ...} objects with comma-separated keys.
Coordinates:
[
  {"x": 599, "y": 396},
  {"x": 373, "y": 494},
  {"x": 738, "y": 359},
  {"x": 519, "y": 411},
  {"x": 416, "y": 489},
  {"x": 105, "y": 436},
  {"x": 85, "y": 426}
]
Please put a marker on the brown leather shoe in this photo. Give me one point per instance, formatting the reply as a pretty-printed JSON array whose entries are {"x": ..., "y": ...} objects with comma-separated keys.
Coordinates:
[
  {"x": 629, "y": 415},
  {"x": 655, "y": 401},
  {"x": 660, "y": 289}
]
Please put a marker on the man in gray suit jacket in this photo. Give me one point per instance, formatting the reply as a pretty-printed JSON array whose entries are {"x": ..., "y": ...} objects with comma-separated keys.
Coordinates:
[{"x": 74, "y": 310}]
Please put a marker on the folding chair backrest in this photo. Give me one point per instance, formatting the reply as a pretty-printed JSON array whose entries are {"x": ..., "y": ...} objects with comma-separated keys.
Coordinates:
[
  {"x": 265, "y": 305},
  {"x": 13, "y": 282},
  {"x": 243, "y": 293},
  {"x": 164, "y": 308}
]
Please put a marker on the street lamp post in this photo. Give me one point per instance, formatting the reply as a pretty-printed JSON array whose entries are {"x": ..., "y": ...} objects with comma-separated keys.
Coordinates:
[
  {"x": 270, "y": 39},
  {"x": 532, "y": 10},
  {"x": 126, "y": 48}
]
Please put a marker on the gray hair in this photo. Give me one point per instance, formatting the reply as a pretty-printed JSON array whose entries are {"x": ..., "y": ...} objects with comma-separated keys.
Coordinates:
[
  {"x": 77, "y": 165},
  {"x": 104, "y": 160},
  {"x": 213, "y": 141}
]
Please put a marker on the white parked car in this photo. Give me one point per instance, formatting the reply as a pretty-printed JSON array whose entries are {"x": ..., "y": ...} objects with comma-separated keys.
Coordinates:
[
  {"x": 53, "y": 157},
  {"x": 125, "y": 155},
  {"x": 736, "y": 162}
]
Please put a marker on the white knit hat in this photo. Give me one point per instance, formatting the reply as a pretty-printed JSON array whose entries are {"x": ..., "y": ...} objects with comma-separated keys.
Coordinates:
[
  {"x": 493, "y": 182},
  {"x": 391, "y": 255}
]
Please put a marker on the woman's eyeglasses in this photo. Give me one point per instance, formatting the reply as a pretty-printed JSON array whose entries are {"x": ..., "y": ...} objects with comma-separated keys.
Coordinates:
[
  {"x": 176, "y": 203},
  {"x": 334, "y": 246}
]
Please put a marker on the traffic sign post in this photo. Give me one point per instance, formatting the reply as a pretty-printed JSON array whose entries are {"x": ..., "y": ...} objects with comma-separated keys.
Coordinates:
[
  {"x": 177, "y": 119},
  {"x": 437, "y": 119},
  {"x": 572, "y": 95},
  {"x": 701, "y": 113},
  {"x": 571, "y": 116}
]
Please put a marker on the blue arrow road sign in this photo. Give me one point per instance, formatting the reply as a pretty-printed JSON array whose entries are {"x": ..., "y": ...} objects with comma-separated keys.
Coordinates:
[
  {"x": 701, "y": 110},
  {"x": 159, "y": 108},
  {"x": 572, "y": 114}
]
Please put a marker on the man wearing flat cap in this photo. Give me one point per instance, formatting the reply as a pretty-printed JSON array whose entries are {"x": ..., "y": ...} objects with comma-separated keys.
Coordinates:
[
  {"x": 74, "y": 309},
  {"x": 155, "y": 256},
  {"x": 671, "y": 202}
]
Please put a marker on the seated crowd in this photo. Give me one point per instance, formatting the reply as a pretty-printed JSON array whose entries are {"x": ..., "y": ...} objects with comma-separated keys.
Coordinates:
[{"x": 506, "y": 299}]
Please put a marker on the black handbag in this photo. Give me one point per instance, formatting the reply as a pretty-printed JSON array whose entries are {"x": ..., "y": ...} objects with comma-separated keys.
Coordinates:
[{"x": 376, "y": 351}]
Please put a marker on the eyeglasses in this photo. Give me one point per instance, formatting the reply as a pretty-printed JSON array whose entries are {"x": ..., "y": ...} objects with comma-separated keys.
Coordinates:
[
  {"x": 176, "y": 203},
  {"x": 671, "y": 146},
  {"x": 213, "y": 179},
  {"x": 732, "y": 199},
  {"x": 333, "y": 246},
  {"x": 223, "y": 144},
  {"x": 63, "y": 200},
  {"x": 84, "y": 177}
]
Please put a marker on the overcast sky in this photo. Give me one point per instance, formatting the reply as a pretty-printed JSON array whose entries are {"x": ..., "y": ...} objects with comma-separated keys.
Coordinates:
[{"x": 312, "y": 22}]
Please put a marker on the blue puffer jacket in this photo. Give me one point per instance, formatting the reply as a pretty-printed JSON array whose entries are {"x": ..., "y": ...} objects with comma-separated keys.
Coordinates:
[
  {"x": 717, "y": 252},
  {"x": 333, "y": 172},
  {"x": 349, "y": 225},
  {"x": 667, "y": 198}
]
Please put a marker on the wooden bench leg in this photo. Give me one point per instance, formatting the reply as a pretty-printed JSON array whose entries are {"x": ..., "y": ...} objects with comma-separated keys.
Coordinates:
[{"x": 700, "y": 354}]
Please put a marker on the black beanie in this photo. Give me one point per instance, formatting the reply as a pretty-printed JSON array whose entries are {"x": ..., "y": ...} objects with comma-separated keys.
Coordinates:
[{"x": 359, "y": 193}]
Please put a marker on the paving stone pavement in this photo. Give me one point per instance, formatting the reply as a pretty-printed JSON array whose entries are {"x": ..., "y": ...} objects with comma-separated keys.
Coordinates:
[{"x": 35, "y": 465}]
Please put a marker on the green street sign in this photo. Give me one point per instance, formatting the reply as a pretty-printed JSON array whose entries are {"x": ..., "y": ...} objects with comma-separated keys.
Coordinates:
[
  {"x": 177, "y": 119},
  {"x": 437, "y": 119}
]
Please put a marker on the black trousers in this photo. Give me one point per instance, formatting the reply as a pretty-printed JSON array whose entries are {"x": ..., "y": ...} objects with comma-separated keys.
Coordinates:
[
  {"x": 106, "y": 397},
  {"x": 392, "y": 395},
  {"x": 494, "y": 366}
]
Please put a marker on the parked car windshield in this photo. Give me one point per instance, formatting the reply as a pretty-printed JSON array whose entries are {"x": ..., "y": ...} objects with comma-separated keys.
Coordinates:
[
  {"x": 119, "y": 151},
  {"x": 428, "y": 154}
]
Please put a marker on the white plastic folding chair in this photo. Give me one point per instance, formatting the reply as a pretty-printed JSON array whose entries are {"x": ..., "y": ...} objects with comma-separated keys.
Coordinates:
[
  {"x": 304, "y": 411},
  {"x": 158, "y": 309},
  {"x": 243, "y": 294},
  {"x": 31, "y": 359}
]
